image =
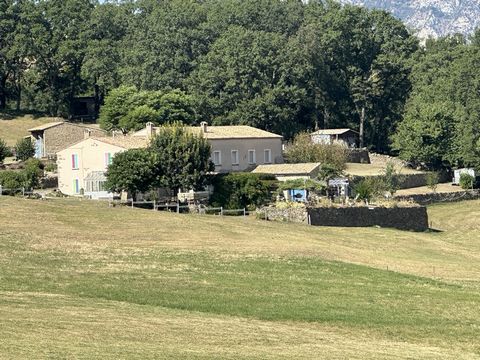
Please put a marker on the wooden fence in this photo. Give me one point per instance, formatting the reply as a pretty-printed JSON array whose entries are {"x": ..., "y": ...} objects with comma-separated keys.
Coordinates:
[
  {"x": 24, "y": 191},
  {"x": 176, "y": 207}
]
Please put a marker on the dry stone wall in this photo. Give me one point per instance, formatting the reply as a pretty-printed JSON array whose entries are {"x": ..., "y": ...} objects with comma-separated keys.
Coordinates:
[
  {"x": 425, "y": 199},
  {"x": 403, "y": 218}
]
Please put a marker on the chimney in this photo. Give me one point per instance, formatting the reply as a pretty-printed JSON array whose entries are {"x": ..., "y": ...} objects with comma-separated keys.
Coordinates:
[
  {"x": 149, "y": 130},
  {"x": 204, "y": 126},
  {"x": 86, "y": 133}
]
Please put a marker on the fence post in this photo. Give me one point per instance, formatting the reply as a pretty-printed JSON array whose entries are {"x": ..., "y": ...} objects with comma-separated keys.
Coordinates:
[
  {"x": 154, "y": 205},
  {"x": 132, "y": 203},
  {"x": 23, "y": 191},
  {"x": 221, "y": 211},
  {"x": 178, "y": 208},
  {"x": 244, "y": 212},
  {"x": 0, "y": 190},
  {"x": 266, "y": 215}
]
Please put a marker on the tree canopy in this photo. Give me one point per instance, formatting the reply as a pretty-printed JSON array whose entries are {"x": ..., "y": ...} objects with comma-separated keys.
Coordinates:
[{"x": 285, "y": 66}]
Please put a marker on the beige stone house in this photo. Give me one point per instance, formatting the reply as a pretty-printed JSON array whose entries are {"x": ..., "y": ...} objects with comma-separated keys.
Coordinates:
[
  {"x": 55, "y": 136},
  {"x": 81, "y": 167},
  {"x": 234, "y": 148}
]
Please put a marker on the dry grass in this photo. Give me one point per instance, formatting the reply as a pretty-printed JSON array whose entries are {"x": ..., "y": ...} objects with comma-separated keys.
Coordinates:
[
  {"x": 16, "y": 128},
  {"x": 111, "y": 330},
  {"x": 355, "y": 169},
  {"x": 448, "y": 255},
  {"x": 212, "y": 287},
  {"x": 441, "y": 188}
]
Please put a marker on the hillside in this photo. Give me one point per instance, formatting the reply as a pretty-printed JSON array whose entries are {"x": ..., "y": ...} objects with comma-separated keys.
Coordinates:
[
  {"x": 431, "y": 17},
  {"x": 14, "y": 129},
  {"x": 86, "y": 281}
]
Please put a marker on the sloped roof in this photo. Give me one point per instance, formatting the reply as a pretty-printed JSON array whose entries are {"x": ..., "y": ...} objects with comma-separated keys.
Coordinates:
[
  {"x": 46, "y": 126},
  {"x": 332, "y": 131},
  {"x": 224, "y": 132},
  {"x": 126, "y": 142},
  {"x": 56, "y": 123},
  {"x": 287, "y": 169}
]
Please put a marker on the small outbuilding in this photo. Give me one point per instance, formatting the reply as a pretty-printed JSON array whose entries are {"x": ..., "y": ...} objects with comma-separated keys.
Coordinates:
[
  {"x": 284, "y": 172},
  {"x": 458, "y": 173},
  {"x": 346, "y": 137},
  {"x": 53, "y": 137}
]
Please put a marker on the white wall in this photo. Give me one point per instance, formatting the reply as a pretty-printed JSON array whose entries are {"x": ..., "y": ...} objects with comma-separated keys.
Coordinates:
[{"x": 91, "y": 157}]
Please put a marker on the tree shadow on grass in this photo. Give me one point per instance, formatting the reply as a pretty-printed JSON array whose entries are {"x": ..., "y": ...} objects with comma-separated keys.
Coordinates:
[{"x": 13, "y": 114}]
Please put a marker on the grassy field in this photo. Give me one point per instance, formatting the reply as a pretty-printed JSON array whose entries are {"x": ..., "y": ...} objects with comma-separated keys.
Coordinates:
[
  {"x": 81, "y": 280},
  {"x": 13, "y": 129},
  {"x": 374, "y": 169}
]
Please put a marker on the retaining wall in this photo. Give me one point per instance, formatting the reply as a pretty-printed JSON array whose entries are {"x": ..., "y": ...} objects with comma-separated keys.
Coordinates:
[
  {"x": 425, "y": 199},
  {"x": 359, "y": 156},
  {"x": 403, "y": 218}
]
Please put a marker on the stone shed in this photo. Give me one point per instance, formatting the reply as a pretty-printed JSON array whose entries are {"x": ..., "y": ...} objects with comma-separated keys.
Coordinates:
[
  {"x": 346, "y": 137},
  {"x": 55, "y": 136}
]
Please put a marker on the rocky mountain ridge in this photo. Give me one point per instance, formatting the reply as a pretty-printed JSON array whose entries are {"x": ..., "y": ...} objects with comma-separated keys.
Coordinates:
[{"x": 431, "y": 18}]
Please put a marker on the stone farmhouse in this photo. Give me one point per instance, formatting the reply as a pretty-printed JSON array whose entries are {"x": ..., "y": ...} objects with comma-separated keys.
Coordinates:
[
  {"x": 82, "y": 166},
  {"x": 55, "y": 136}
]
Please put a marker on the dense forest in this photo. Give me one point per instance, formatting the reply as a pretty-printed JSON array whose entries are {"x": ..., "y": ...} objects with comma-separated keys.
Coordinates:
[{"x": 281, "y": 65}]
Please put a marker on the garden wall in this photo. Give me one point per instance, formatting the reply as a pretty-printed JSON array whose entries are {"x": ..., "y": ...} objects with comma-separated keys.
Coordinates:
[{"x": 403, "y": 218}]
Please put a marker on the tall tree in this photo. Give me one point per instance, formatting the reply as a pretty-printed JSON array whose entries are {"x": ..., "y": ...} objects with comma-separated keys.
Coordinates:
[
  {"x": 108, "y": 25},
  {"x": 57, "y": 40},
  {"x": 182, "y": 158}
]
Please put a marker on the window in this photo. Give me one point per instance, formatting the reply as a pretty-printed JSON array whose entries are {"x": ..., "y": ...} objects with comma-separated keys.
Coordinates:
[
  {"x": 251, "y": 157},
  {"x": 267, "y": 156},
  {"x": 217, "y": 158},
  {"x": 75, "y": 161},
  {"x": 235, "y": 157},
  {"x": 108, "y": 159},
  {"x": 76, "y": 186}
]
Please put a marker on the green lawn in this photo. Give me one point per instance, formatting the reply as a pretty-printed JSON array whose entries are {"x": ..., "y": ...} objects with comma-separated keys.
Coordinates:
[{"x": 81, "y": 280}]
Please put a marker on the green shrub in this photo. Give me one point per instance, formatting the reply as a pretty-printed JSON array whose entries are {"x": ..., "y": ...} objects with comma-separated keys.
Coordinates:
[
  {"x": 28, "y": 177},
  {"x": 24, "y": 149},
  {"x": 51, "y": 167},
  {"x": 12, "y": 179},
  {"x": 432, "y": 180},
  {"x": 467, "y": 181},
  {"x": 369, "y": 188},
  {"x": 32, "y": 173},
  {"x": 391, "y": 178},
  {"x": 4, "y": 150},
  {"x": 242, "y": 190},
  {"x": 308, "y": 184},
  {"x": 302, "y": 150}
]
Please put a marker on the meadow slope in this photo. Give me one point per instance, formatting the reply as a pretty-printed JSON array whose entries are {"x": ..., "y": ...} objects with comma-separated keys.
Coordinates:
[{"x": 81, "y": 280}]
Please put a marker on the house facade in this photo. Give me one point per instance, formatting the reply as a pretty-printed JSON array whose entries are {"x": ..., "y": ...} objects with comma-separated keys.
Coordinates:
[
  {"x": 81, "y": 167},
  {"x": 234, "y": 148},
  {"x": 50, "y": 138},
  {"x": 345, "y": 137}
]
